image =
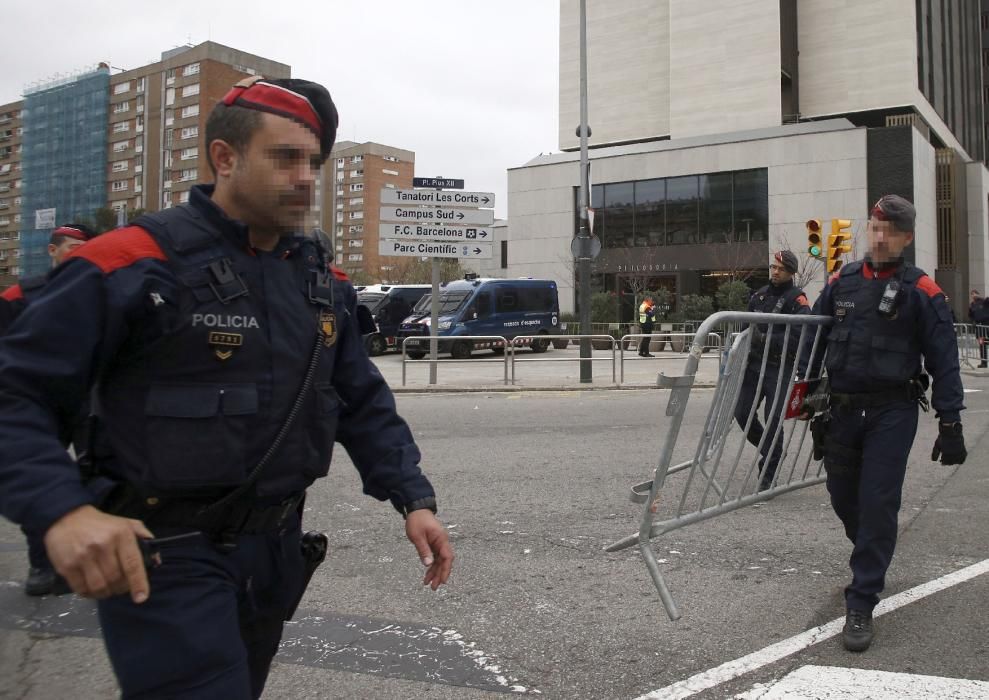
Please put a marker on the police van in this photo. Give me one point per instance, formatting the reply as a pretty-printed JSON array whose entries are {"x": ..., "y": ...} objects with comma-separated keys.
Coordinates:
[
  {"x": 389, "y": 305},
  {"x": 485, "y": 306}
]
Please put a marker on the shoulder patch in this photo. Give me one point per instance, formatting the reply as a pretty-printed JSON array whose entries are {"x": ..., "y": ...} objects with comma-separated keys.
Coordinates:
[
  {"x": 12, "y": 293},
  {"x": 119, "y": 248},
  {"x": 339, "y": 274},
  {"x": 928, "y": 286},
  {"x": 802, "y": 300}
]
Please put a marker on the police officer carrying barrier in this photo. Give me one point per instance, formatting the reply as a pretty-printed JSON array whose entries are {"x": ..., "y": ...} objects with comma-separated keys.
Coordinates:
[
  {"x": 647, "y": 316},
  {"x": 780, "y": 296},
  {"x": 41, "y": 576},
  {"x": 887, "y": 314},
  {"x": 227, "y": 358}
]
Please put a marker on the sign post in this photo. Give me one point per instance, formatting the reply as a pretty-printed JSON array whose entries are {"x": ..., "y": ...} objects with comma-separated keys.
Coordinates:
[{"x": 435, "y": 223}]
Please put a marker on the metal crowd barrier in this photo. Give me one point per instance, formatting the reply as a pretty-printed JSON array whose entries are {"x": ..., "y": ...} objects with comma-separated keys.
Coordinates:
[
  {"x": 971, "y": 344},
  {"x": 722, "y": 469},
  {"x": 714, "y": 340},
  {"x": 525, "y": 339},
  {"x": 425, "y": 360}
]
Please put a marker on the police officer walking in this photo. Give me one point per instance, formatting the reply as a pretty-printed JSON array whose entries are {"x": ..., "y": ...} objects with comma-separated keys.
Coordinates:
[
  {"x": 780, "y": 296},
  {"x": 41, "y": 576},
  {"x": 887, "y": 314},
  {"x": 227, "y": 359}
]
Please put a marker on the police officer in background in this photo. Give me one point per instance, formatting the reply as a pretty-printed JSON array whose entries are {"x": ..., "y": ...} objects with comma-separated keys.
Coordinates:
[
  {"x": 780, "y": 296},
  {"x": 887, "y": 314},
  {"x": 41, "y": 577},
  {"x": 227, "y": 359},
  {"x": 978, "y": 313}
]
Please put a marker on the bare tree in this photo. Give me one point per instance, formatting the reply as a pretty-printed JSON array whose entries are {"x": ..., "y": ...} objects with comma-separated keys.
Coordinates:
[{"x": 730, "y": 257}]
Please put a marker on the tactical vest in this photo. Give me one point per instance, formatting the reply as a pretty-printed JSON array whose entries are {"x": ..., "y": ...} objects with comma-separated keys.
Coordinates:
[
  {"x": 211, "y": 368},
  {"x": 764, "y": 302},
  {"x": 867, "y": 351}
]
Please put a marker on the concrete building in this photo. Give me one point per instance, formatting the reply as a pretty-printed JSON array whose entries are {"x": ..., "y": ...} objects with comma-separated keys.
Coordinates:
[
  {"x": 708, "y": 151},
  {"x": 131, "y": 140},
  {"x": 11, "y": 179},
  {"x": 350, "y": 199}
]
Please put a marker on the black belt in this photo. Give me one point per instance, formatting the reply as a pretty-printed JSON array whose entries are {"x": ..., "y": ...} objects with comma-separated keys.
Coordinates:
[
  {"x": 245, "y": 519},
  {"x": 874, "y": 398}
]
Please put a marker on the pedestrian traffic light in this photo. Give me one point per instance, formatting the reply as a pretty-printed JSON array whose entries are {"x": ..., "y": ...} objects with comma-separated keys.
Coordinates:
[
  {"x": 839, "y": 243},
  {"x": 815, "y": 247}
]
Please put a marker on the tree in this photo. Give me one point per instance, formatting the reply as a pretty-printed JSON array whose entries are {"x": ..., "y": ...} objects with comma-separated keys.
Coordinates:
[{"x": 733, "y": 296}]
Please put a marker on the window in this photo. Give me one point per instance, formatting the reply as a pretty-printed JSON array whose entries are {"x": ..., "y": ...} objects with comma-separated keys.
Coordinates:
[
  {"x": 120, "y": 166},
  {"x": 356, "y": 201},
  {"x": 356, "y": 243},
  {"x": 751, "y": 204},
  {"x": 389, "y": 172},
  {"x": 618, "y": 210},
  {"x": 650, "y": 212},
  {"x": 169, "y": 97},
  {"x": 356, "y": 173},
  {"x": 190, "y": 90},
  {"x": 356, "y": 215},
  {"x": 191, "y": 69},
  {"x": 121, "y": 88},
  {"x": 169, "y": 76},
  {"x": 356, "y": 159},
  {"x": 140, "y": 84},
  {"x": 17, "y": 220},
  {"x": 5, "y": 168},
  {"x": 169, "y": 135},
  {"x": 119, "y": 186},
  {"x": 393, "y": 159},
  {"x": 140, "y": 104},
  {"x": 340, "y": 206},
  {"x": 355, "y": 257},
  {"x": 339, "y": 163},
  {"x": 17, "y": 201},
  {"x": 714, "y": 203},
  {"x": 121, "y": 146},
  {"x": 681, "y": 209},
  {"x": 169, "y": 117},
  {"x": 121, "y": 107},
  {"x": 189, "y": 174},
  {"x": 139, "y": 124},
  {"x": 121, "y": 126},
  {"x": 389, "y": 185},
  {"x": 184, "y": 196},
  {"x": 190, "y": 153},
  {"x": 357, "y": 229},
  {"x": 357, "y": 187},
  {"x": 339, "y": 216},
  {"x": 190, "y": 111},
  {"x": 190, "y": 132},
  {"x": 339, "y": 191}
]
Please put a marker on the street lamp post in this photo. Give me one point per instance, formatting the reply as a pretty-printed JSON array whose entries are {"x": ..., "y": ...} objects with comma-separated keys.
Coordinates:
[{"x": 583, "y": 234}]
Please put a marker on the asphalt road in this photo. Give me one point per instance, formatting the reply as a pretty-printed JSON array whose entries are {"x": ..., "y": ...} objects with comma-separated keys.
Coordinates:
[{"x": 533, "y": 486}]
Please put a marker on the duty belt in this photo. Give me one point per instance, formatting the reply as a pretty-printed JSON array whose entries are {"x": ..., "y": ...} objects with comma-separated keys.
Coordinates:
[{"x": 907, "y": 392}]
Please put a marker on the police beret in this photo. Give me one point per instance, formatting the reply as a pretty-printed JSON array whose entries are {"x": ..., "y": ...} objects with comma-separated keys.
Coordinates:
[
  {"x": 787, "y": 259},
  {"x": 80, "y": 232},
  {"x": 897, "y": 210},
  {"x": 303, "y": 101}
]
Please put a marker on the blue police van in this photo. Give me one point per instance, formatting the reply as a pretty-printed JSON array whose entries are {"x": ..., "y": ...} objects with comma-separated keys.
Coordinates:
[
  {"x": 389, "y": 305},
  {"x": 485, "y": 306}
]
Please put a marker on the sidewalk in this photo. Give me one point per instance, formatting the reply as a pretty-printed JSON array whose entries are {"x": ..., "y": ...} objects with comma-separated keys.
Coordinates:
[{"x": 552, "y": 370}]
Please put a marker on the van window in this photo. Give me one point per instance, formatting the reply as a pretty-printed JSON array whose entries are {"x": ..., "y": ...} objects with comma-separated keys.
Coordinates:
[
  {"x": 483, "y": 305},
  {"x": 506, "y": 299},
  {"x": 536, "y": 298}
]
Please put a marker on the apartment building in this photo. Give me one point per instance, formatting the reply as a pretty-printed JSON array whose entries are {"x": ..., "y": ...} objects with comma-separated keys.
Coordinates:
[
  {"x": 350, "y": 200},
  {"x": 11, "y": 192}
]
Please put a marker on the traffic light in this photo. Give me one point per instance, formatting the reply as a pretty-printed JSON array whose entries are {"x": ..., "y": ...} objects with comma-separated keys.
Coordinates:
[
  {"x": 815, "y": 246},
  {"x": 839, "y": 243}
]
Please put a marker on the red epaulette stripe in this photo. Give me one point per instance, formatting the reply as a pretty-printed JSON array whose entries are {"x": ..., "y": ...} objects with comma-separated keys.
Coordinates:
[
  {"x": 119, "y": 248},
  {"x": 12, "y": 293},
  {"x": 928, "y": 286},
  {"x": 339, "y": 274}
]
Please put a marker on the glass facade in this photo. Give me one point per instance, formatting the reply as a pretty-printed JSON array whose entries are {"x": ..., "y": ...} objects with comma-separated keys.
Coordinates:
[
  {"x": 64, "y": 158},
  {"x": 689, "y": 210}
]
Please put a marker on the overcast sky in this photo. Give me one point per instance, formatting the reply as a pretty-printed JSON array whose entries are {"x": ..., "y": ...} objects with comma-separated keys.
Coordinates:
[{"x": 469, "y": 85}]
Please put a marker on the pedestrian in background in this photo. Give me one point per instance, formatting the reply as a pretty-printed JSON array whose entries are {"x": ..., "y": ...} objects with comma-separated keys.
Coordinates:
[
  {"x": 887, "y": 315},
  {"x": 647, "y": 317},
  {"x": 227, "y": 359}
]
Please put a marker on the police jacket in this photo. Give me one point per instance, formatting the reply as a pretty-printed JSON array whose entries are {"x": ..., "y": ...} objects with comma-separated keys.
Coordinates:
[
  {"x": 978, "y": 311},
  {"x": 784, "y": 298},
  {"x": 867, "y": 351},
  {"x": 198, "y": 345},
  {"x": 15, "y": 298}
]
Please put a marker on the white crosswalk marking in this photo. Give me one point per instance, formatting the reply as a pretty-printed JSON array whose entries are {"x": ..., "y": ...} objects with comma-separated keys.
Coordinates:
[{"x": 835, "y": 683}]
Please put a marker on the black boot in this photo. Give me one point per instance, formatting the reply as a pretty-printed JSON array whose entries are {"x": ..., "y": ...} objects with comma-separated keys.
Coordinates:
[
  {"x": 44, "y": 581},
  {"x": 857, "y": 634}
]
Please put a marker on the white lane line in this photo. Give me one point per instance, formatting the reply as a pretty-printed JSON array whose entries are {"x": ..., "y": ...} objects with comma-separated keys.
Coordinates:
[
  {"x": 756, "y": 660},
  {"x": 837, "y": 683},
  {"x": 971, "y": 391}
]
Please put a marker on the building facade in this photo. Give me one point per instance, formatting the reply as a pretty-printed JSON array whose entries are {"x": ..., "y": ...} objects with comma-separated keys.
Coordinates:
[
  {"x": 349, "y": 203},
  {"x": 709, "y": 152},
  {"x": 133, "y": 140}
]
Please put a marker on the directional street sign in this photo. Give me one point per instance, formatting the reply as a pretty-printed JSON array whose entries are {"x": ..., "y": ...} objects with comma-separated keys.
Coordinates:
[
  {"x": 437, "y": 197},
  {"x": 434, "y": 232},
  {"x": 435, "y": 249},
  {"x": 436, "y": 215},
  {"x": 444, "y": 182}
]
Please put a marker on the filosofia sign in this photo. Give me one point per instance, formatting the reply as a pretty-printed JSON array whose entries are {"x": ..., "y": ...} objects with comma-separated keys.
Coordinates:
[{"x": 657, "y": 267}]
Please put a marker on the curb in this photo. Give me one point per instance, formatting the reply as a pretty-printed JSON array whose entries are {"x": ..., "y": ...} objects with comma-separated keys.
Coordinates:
[{"x": 500, "y": 389}]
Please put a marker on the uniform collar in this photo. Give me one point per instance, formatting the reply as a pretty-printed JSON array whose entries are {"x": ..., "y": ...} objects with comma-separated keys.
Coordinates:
[
  {"x": 201, "y": 198},
  {"x": 871, "y": 271},
  {"x": 781, "y": 287}
]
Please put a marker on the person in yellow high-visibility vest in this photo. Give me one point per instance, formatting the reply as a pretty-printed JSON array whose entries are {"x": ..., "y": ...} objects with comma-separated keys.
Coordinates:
[{"x": 647, "y": 313}]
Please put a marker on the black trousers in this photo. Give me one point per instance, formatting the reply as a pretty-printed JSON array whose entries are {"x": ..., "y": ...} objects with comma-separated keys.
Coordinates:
[
  {"x": 213, "y": 621},
  {"x": 770, "y": 450},
  {"x": 644, "y": 343}
]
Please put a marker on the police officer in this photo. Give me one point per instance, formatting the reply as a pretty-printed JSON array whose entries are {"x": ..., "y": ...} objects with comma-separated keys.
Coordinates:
[
  {"x": 887, "y": 314},
  {"x": 227, "y": 359},
  {"x": 978, "y": 313},
  {"x": 780, "y": 296},
  {"x": 41, "y": 577},
  {"x": 647, "y": 316}
]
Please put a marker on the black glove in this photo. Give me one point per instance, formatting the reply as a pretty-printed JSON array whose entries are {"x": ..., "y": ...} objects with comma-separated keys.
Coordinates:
[{"x": 950, "y": 444}]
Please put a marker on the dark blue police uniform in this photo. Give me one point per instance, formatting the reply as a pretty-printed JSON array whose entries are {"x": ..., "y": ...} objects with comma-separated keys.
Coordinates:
[
  {"x": 784, "y": 298},
  {"x": 198, "y": 346},
  {"x": 873, "y": 360}
]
